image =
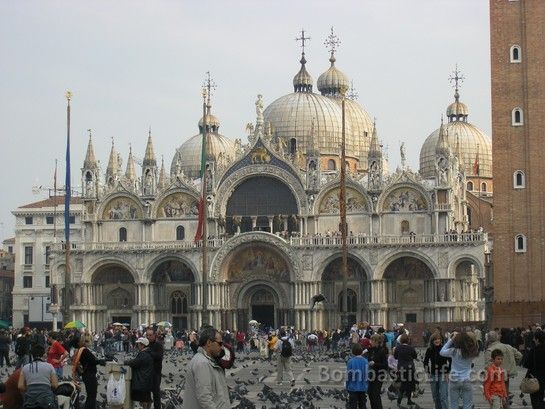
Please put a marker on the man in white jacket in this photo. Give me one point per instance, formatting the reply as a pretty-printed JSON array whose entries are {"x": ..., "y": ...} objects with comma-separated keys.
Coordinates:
[{"x": 206, "y": 386}]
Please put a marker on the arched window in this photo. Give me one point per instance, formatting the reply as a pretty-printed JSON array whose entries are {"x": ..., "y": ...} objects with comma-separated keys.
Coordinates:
[
  {"x": 516, "y": 55},
  {"x": 293, "y": 146},
  {"x": 178, "y": 303},
  {"x": 517, "y": 117},
  {"x": 519, "y": 180},
  {"x": 483, "y": 187},
  {"x": 88, "y": 176},
  {"x": 520, "y": 243},
  {"x": 122, "y": 234},
  {"x": 180, "y": 233},
  {"x": 405, "y": 227},
  {"x": 470, "y": 186},
  {"x": 331, "y": 165},
  {"x": 352, "y": 301}
]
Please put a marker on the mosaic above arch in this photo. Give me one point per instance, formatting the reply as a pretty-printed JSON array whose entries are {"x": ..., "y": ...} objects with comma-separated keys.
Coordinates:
[
  {"x": 122, "y": 208},
  {"x": 405, "y": 199},
  {"x": 178, "y": 205},
  {"x": 355, "y": 202},
  {"x": 257, "y": 261},
  {"x": 333, "y": 270}
]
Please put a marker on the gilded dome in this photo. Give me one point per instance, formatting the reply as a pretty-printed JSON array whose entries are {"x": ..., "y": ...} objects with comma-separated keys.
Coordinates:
[
  {"x": 333, "y": 82},
  {"x": 188, "y": 156},
  {"x": 472, "y": 141}
]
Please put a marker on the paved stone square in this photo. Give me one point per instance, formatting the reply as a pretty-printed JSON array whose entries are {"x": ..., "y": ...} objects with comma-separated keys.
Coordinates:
[{"x": 253, "y": 373}]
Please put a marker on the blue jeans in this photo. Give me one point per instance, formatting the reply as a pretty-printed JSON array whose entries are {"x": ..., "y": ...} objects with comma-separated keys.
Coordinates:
[
  {"x": 463, "y": 390},
  {"x": 439, "y": 391},
  {"x": 58, "y": 371}
]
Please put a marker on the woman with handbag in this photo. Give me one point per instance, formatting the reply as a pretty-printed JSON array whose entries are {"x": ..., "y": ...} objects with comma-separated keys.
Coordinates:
[
  {"x": 85, "y": 364},
  {"x": 535, "y": 362}
]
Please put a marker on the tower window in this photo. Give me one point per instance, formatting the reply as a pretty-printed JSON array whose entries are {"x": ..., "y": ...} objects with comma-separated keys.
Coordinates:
[
  {"x": 516, "y": 54},
  {"x": 483, "y": 187},
  {"x": 88, "y": 177},
  {"x": 331, "y": 165},
  {"x": 180, "y": 233},
  {"x": 517, "y": 117},
  {"x": 519, "y": 180},
  {"x": 520, "y": 243},
  {"x": 470, "y": 186},
  {"x": 122, "y": 234}
]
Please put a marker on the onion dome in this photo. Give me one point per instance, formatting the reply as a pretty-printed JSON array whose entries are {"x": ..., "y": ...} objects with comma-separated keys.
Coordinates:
[
  {"x": 333, "y": 82},
  {"x": 470, "y": 143},
  {"x": 188, "y": 156},
  {"x": 302, "y": 82}
]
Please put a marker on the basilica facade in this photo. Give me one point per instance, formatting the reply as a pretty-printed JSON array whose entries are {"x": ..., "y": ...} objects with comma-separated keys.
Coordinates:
[{"x": 273, "y": 221}]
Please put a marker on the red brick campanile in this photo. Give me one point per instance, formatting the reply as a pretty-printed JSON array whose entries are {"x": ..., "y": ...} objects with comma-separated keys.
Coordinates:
[{"x": 517, "y": 36}]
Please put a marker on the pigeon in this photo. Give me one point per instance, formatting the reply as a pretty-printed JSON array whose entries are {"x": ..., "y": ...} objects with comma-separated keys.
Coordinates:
[{"x": 316, "y": 299}]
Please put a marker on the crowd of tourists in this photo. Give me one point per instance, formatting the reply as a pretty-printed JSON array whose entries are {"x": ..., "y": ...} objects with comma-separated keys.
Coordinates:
[{"x": 40, "y": 361}]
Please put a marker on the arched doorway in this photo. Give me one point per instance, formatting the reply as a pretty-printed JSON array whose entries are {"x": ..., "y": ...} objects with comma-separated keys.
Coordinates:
[
  {"x": 262, "y": 307},
  {"x": 409, "y": 290},
  {"x": 172, "y": 293},
  {"x": 116, "y": 295},
  {"x": 357, "y": 290},
  {"x": 254, "y": 206},
  {"x": 466, "y": 289}
]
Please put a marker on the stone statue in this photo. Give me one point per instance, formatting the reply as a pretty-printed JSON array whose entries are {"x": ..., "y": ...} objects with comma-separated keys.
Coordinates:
[
  {"x": 238, "y": 147},
  {"x": 403, "y": 154},
  {"x": 259, "y": 111}
]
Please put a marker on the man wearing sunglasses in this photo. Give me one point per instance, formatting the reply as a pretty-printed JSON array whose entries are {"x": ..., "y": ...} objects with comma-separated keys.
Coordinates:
[{"x": 206, "y": 385}]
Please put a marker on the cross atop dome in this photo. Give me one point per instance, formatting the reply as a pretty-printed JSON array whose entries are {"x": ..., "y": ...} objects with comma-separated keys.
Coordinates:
[
  {"x": 457, "y": 78},
  {"x": 332, "y": 42},
  {"x": 302, "y": 39},
  {"x": 208, "y": 86}
]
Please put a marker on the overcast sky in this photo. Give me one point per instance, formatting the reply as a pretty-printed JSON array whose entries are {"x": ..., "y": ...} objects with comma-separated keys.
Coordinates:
[{"x": 132, "y": 64}]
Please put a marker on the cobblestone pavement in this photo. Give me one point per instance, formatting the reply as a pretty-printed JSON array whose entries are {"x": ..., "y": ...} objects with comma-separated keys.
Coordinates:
[{"x": 313, "y": 384}]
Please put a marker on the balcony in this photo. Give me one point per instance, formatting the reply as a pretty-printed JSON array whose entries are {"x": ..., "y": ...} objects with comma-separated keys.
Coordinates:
[
  {"x": 376, "y": 241},
  {"x": 138, "y": 245}
]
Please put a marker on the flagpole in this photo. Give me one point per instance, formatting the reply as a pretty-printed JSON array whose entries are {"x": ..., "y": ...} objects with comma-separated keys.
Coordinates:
[
  {"x": 204, "y": 237},
  {"x": 54, "y": 295},
  {"x": 342, "y": 208},
  {"x": 67, "y": 196}
]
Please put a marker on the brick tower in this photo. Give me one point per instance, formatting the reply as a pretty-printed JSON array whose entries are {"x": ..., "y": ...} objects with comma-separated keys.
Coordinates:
[{"x": 517, "y": 35}]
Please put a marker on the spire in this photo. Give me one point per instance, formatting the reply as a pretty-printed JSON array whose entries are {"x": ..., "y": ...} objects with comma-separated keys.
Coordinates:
[
  {"x": 111, "y": 170},
  {"x": 162, "y": 176},
  {"x": 457, "y": 111},
  {"x": 442, "y": 146},
  {"x": 149, "y": 157},
  {"x": 90, "y": 161},
  {"x": 302, "y": 82},
  {"x": 458, "y": 151},
  {"x": 374, "y": 148},
  {"x": 130, "y": 172}
]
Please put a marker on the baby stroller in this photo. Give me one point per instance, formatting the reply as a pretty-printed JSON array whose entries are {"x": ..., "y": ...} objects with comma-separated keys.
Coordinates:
[{"x": 68, "y": 395}]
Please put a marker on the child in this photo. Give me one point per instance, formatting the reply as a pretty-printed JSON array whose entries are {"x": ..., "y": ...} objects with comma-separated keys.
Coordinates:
[
  {"x": 494, "y": 388},
  {"x": 356, "y": 378}
]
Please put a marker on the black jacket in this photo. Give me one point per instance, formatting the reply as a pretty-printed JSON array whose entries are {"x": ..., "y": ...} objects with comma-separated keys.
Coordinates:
[
  {"x": 405, "y": 355},
  {"x": 434, "y": 363},
  {"x": 379, "y": 356},
  {"x": 157, "y": 351},
  {"x": 535, "y": 362},
  {"x": 142, "y": 371}
]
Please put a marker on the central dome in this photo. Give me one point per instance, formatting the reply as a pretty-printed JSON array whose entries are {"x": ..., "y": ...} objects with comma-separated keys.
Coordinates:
[{"x": 314, "y": 121}]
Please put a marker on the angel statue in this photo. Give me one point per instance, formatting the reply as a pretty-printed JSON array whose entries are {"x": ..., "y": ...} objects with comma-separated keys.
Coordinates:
[{"x": 403, "y": 153}]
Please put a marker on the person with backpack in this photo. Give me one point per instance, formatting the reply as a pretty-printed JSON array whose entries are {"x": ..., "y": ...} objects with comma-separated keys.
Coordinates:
[{"x": 284, "y": 346}]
